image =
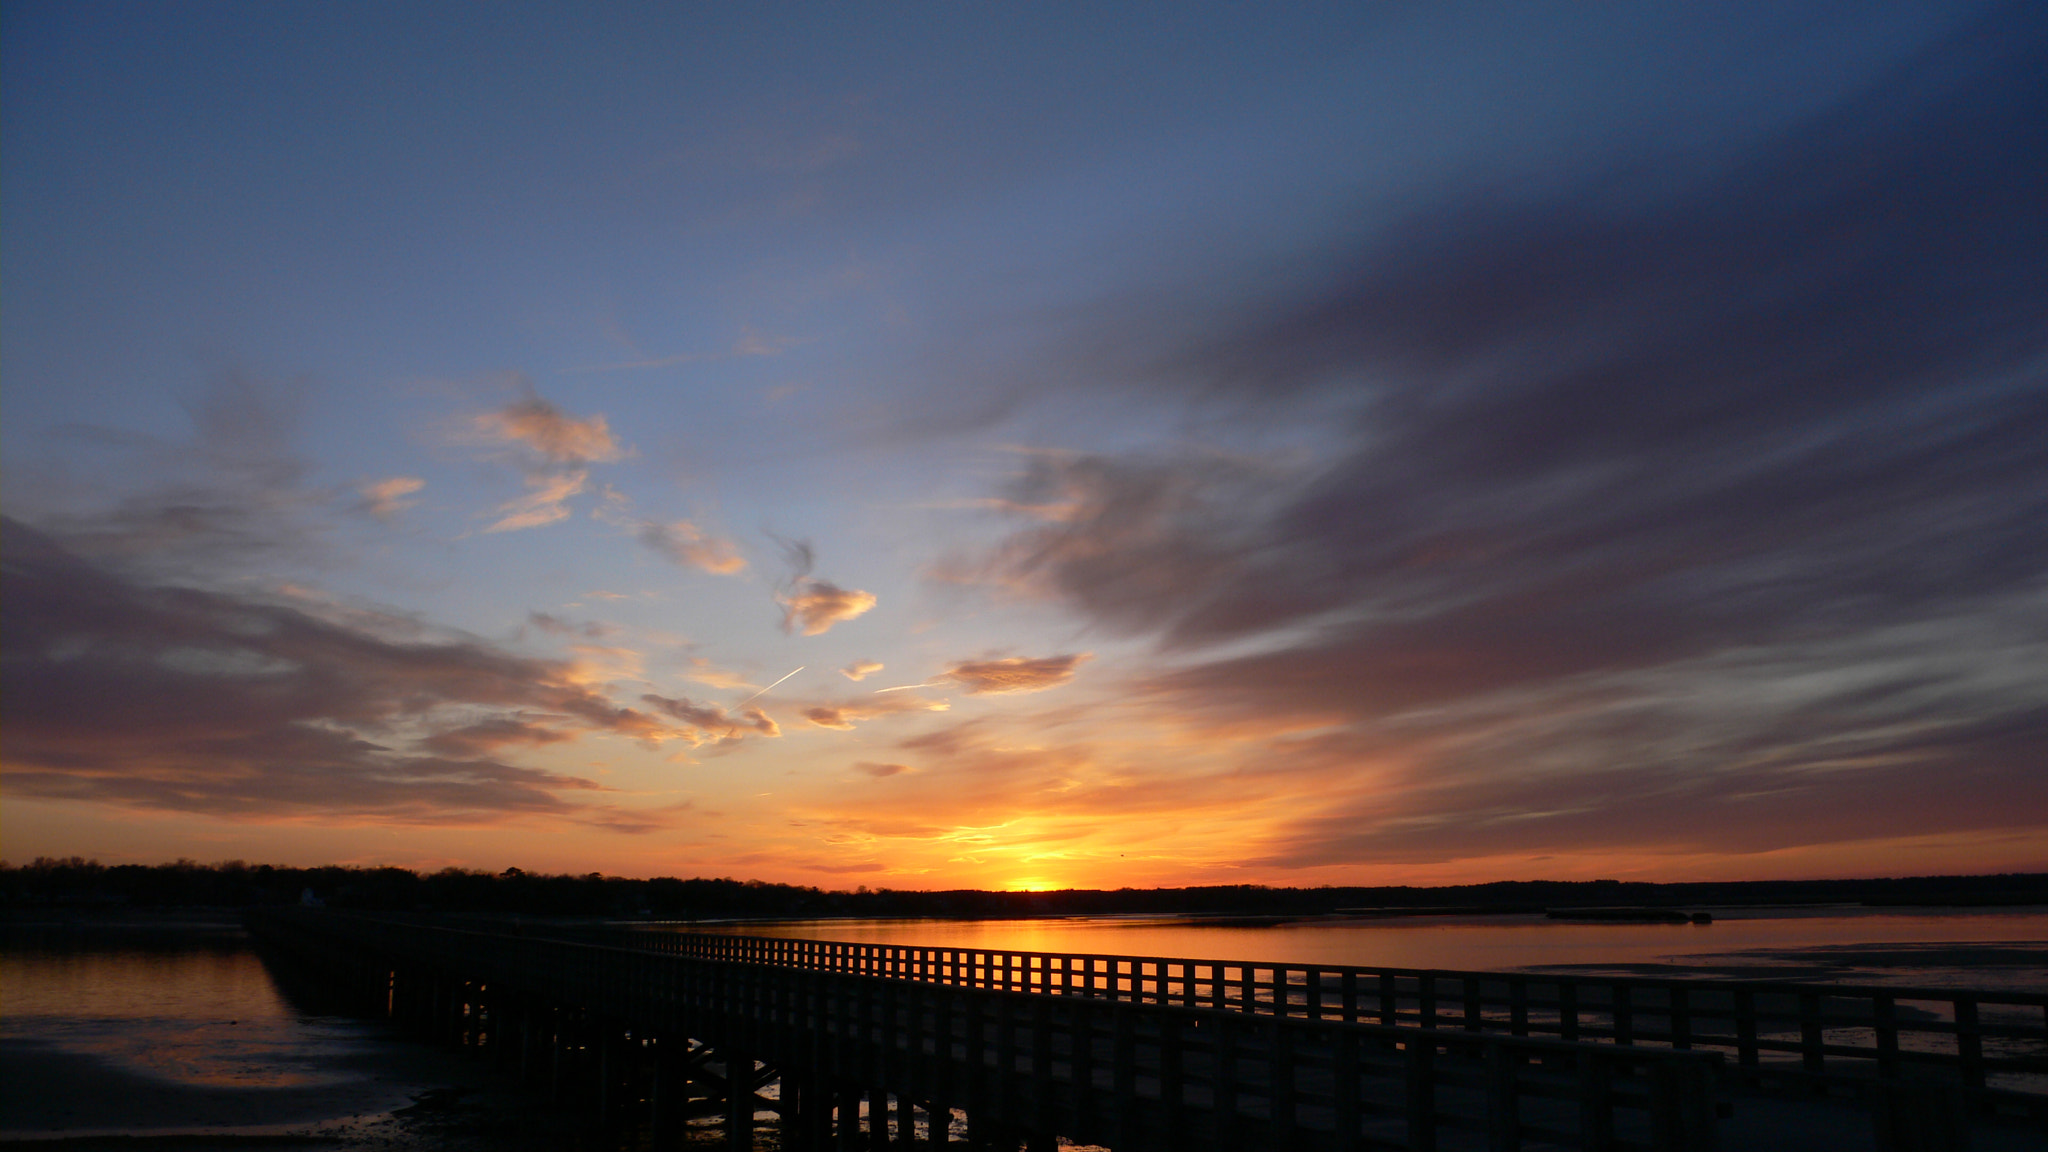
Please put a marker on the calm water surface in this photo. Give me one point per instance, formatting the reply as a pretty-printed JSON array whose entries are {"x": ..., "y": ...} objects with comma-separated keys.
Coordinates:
[
  {"x": 173, "y": 1024},
  {"x": 1988, "y": 949}
]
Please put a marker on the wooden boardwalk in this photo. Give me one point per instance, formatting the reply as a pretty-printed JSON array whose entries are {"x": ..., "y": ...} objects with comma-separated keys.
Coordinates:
[
  {"x": 1992, "y": 1047},
  {"x": 863, "y": 1046}
]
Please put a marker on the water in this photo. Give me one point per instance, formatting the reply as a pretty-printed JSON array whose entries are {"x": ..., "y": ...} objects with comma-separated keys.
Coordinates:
[
  {"x": 2001, "y": 949},
  {"x": 174, "y": 1025}
]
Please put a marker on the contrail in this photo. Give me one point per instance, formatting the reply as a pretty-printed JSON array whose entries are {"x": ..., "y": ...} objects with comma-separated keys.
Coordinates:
[
  {"x": 901, "y": 687},
  {"x": 757, "y": 695}
]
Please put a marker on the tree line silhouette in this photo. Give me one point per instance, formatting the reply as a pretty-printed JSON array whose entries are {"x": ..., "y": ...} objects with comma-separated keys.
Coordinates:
[{"x": 77, "y": 883}]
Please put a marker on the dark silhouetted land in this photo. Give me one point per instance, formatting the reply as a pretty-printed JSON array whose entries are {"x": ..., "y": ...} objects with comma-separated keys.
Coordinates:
[{"x": 85, "y": 884}]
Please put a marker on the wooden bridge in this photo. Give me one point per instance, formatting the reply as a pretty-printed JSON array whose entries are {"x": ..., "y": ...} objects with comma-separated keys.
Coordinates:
[{"x": 882, "y": 1046}]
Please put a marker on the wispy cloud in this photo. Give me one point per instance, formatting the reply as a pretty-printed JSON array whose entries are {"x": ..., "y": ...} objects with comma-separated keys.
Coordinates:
[
  {"x": 845, "y": 714},
  {"x": 557, "y": 626},
  {"x": 685, "y": 543},
  {"x": 813, "y": 606},
  {"x": 122, "y": 691},
  {"x": 551, "y": 434},
  {"x": 547, "y": 503},
  {"x": 861, "y": 669},
  {"x": 1011, "y": 674},
  {"x": 387, "y": 498},
  {"x": 553, "y": 452},
  {"x": 679, "y": 541},
  {"x": 709, "y": 723},
  {"x": 1583, "y": 447},
  {"x": 704, "y": 672}
]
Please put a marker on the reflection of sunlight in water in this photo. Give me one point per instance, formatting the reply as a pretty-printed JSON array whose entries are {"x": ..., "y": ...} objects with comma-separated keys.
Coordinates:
[
  {"x": 208, "y": 1017},
  {"x": 1501, "y": 943}
]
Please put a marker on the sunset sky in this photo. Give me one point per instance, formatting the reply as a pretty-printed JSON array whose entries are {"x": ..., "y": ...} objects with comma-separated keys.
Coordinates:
[{"x": 1177, "y": 444}]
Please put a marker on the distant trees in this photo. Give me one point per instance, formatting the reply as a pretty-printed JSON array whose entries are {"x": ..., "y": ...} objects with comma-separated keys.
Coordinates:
[{"x": 75, "y": 882}]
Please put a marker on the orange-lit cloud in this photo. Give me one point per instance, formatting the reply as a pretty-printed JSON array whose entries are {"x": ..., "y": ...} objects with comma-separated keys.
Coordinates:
[
  {"x": 553, "y": 450},
  {"x": 828, "y": 717},
  {"x": 709, "y": 723},
  {"x": 547, "y": 431},
  {"x": 813, "y": 606},
  {"x": 861, "y": 669},
  {"x": 704, "y": 672},
  {"x": 546, "y": 503},
  {"x": 387, "y": 498},
  {"x": 844, "y": 716},
  {"x": 685, "y": 543},
  {"x": 879, "y": 771},
  {"x": 1012, "y": 674}
]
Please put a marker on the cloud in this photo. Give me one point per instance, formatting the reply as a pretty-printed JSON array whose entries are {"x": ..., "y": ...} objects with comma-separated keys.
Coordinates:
[
  {"x": 545, "y": 504},
  {"x": 861, "y": 669},
  {"x": 709, "y": 723},
  {"x": 685, "y": 543},
  {"x": 122, "y": 691},
  {"x": 554, "y": 452},
  {"x": 487, "y": 736},
  {"x": 828, "y": 717},
  {"x": 550, "y": 434},
  {"x": 387, "y": 498},
  {"x": 1140, "y": 541},
  {"x": 1580, "y": 444},
  {"x": 556, "y": 626},
  {"x": 679, "y": 541},
  {"x": 1012, "y": 674},
  {"x": 704, "y": 672},
  {"x": 844, "y": 716},
  {"x": 880, "y": 771},
  {"x": 229, "y": 499},
  {"x": 814, "y": 606}
]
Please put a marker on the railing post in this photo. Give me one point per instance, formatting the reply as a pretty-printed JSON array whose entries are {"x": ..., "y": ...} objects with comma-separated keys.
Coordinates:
[
  {"x": 1280, "y": 1086},
  {"x": 1172, "y": 1088},
  {"x": 739, "y": 1101},
  {"x": 1745, "y": 1028},
  {"x": 1344, "y": 1089},
  {"x": 1123, "y": 1055},
  {"x": 1596, "y": 1103},
  {"x": 1811, "y": 1035},
  {"x": 1884, "y": 1011},
  {"x": 1969, "y": 1043},
  {"x": 1503, "y": 1115},
  {"x": 1421, "y": 1093}
]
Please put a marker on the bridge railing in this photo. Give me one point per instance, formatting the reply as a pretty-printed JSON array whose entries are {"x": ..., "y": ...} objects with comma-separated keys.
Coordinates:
[
  {"x": 1995, "y": 1045},
  {"x": 1129, "y": 1073}
]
